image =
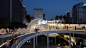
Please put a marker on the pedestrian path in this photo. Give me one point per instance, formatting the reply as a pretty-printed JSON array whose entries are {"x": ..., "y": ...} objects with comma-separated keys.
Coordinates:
[{"x": 44, "y": 46}]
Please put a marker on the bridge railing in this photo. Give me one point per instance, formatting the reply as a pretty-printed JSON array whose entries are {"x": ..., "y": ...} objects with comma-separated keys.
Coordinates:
[{"x": 20, "y": 39}]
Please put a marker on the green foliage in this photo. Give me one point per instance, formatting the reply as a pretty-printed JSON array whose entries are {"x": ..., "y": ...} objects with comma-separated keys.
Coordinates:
[
  {"x": 51, "y": 19},
  {"x": 28, "y": 18},
  {"x": 57, "y": 17},
  {"x": 60, "y": 17},
  {"x": 64, "y": 17}
]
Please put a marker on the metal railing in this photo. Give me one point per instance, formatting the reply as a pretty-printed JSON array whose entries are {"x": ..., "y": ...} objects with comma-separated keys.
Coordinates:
[{"x": 20, "y": 40}]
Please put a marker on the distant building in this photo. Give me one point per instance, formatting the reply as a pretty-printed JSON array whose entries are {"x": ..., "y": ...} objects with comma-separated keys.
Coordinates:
[
  {"x": 17, "y": 13},
  {"x": 24, "y": 14},
  {"x": 44, "y": 17},
  {"x": 38, "y": 13},
  {"x": 69, "y": 17},
  {"x": 79, "y": 14}
]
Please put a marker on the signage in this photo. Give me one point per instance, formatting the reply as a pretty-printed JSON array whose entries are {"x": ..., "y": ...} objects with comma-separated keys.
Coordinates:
[
  {"x": 42, "y": 22},
  {"x": 84, "y": 5}
]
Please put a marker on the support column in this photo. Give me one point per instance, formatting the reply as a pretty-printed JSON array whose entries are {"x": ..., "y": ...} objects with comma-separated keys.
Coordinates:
[
  {"x": 69, "y": 40},
  {"x": 47, "y": 41},
  {"x": 34, "y": 42},
  {"x": 55, "y": 40},
  {"x": 73, "y": 34},
  {"x": 30, "y": 41}
]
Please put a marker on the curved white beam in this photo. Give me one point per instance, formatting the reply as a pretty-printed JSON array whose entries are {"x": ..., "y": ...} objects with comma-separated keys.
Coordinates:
[{"x": 46, "y": 32}]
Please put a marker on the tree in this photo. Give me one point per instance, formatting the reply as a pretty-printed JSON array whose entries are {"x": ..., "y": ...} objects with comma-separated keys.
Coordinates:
[
  {"x": 48, "y": 19},
  {"x": 60, "y": 20},
  {"x": 57, "y": 17},
  {"x": 64, "y": 17},
  {"x": 60, "y": 17},
  {"x": 51, "y": 19},
  {"x": 28, "y": 18}
]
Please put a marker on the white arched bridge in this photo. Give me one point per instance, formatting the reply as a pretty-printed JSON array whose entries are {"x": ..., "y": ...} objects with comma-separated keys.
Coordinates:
[{"x": 26, "y": 37}]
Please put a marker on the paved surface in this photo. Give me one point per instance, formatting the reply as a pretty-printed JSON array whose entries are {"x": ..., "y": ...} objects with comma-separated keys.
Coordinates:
[
  {"x": 45, "y": 32},
  {"x": 22, "y": 31},
  {"x": 44, "y": 46}
]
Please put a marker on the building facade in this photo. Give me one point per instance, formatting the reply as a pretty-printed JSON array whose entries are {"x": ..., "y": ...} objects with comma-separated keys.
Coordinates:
[
  {"x": 44, "y": 17},
  {"x": 24, "y": 14},
  {"x": 79, "y": 14},
  {"x": 4, "y": 13},
  {"x": 69, "y": 17},
  {"x": 38, "y": 13},
  {"x": 17, "y": 11},
  {"x": 10, "y": 12}
]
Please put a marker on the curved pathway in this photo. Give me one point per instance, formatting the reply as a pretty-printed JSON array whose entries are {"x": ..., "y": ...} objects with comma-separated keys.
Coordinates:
[{"x": 23, "y": 39}]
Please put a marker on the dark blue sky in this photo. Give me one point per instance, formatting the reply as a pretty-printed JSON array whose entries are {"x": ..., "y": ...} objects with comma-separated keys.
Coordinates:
[{"x": 51, "y": 8}]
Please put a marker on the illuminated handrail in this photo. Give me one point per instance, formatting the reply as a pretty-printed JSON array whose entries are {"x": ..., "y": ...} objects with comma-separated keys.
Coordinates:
[
  {"x": 23, "y": 39},
  {"x": 10, "y": 40},
  {"x": 20, "y": 39}
]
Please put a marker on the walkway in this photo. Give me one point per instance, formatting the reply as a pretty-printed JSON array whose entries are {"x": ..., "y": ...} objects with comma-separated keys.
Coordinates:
[
  {"x": 25, "y": 38},
  {"x": 44, "y": 46}
]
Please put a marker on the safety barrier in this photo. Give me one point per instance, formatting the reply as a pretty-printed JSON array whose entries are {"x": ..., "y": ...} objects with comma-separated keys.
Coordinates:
[{"x": 23, "y": 39}]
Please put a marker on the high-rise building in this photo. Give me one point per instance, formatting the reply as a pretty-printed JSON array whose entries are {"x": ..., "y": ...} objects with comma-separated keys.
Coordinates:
[
  {"x": 79, "y": 13},
  {"x": 4, "y": 13},
  {"x": 17, "y": 12},
  {"x": 10, "y": 12},
  {"x": 38, "y": 13},
  {"x": 69, "y": 17},
  {"x": 43, "y": 16},
  {"x": 24, "y": 14}
]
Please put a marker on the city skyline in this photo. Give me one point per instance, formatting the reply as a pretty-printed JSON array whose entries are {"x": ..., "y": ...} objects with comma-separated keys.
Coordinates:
[
  {"x": 51, "y": 8},
  {"x": 42, "y": 24}
]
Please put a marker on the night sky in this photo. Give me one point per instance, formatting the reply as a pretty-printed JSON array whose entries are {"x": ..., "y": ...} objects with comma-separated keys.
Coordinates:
[{"x": 51, "y": 8}]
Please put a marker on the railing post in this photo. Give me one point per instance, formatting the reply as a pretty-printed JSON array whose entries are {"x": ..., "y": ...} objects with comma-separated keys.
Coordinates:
[
  {"x": 34, "y": 42},
  {"x": 47, "y": 41},
  {"x": 55, "y": 40},
  {"x": 73, "y": 34},
  {"x": 69, "y": 40}
]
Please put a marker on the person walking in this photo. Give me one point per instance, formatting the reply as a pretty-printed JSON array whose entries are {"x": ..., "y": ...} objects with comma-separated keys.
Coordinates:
[
  {"x": 12, "y": 34},
  {"x": 67, "y": 28},
  {"x": 3, "y": 32},
  {"x": 36, "y": 30},
  {"x": 7, "y": 44},
  {"x": 11, "y": 42},
  {"x": 6, "y": 31},
  {"x": 56, "y": 28},
  {"x": 15, "y": 38},
  {"x": 75, "y": 27}
]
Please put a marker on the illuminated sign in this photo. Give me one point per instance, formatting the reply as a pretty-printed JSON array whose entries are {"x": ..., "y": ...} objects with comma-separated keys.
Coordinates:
[
  {"x": 42, "y": 22},
  {"x": 84, "y": 5}
]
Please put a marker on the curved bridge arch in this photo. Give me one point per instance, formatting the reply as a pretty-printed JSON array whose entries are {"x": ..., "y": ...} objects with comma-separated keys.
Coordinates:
[
  {"x": 35, "y": 21},
  {"x": 45, "y": 32}
]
